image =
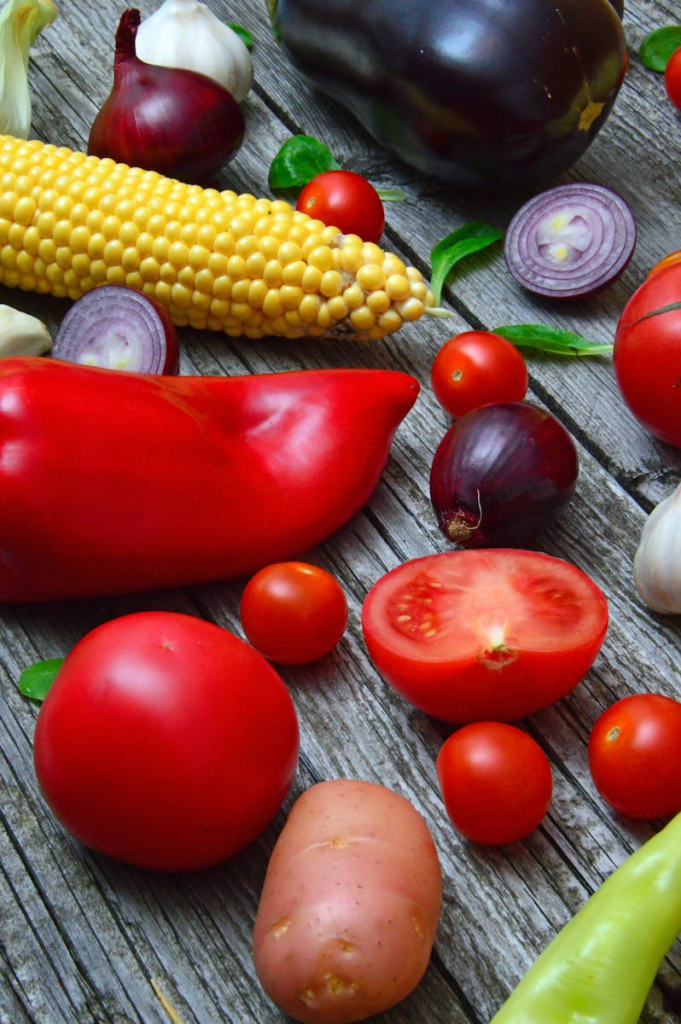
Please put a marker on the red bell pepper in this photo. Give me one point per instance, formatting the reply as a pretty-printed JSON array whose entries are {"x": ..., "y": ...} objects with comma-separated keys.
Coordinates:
[{"x": 114, "y": 482}]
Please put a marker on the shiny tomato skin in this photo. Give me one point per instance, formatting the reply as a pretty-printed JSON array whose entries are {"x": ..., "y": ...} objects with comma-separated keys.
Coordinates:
[
  {"x": 647, "y": 355},
  {"x": 635, "y": 756},
  {"x": 345, "y": 200},
  {"x": 489, "y": 634},
  {"x": 475, "y": 368},
  {"x": 666, "y": 261},
  {"x": 496, "y": 782},
  {"x": 293, "y": 613},
  {"x": 165, "y": 741},
  {"x": 672, "y": 78}
]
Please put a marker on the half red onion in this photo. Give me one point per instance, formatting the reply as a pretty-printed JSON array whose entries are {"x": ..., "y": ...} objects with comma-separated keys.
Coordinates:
[
  {"x": 570, "y": 241},
  {"x": 121, "y": 329}
]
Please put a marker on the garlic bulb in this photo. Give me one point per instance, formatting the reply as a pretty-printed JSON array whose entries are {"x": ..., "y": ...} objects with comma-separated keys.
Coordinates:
[
  {"x": 186, "y": 34},
  {"x": 22, "y": 334},
  {"x": 21, "y": 21},
  {"x": 657, "y": 563}
]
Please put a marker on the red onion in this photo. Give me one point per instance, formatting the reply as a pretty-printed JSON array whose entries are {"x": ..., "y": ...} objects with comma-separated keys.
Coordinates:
[
  {"x": 569, "y": 241},
  {"x": 499, "y": 473},
  {"x": 118, "y": 328},
  {"x": 180, "y": 123}
]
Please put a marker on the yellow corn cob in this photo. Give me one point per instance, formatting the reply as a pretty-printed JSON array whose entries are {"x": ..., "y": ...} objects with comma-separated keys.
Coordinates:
[{"x": 70, "y": 222}]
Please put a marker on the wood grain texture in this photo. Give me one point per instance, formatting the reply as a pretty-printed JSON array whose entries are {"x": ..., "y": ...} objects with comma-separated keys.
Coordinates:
[{"x": 82, "y": 937}]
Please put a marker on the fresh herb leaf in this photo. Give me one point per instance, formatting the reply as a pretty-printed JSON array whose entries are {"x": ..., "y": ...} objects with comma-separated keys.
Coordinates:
[
  {"x": 300, "y": 159},
  {"x": 469, "y": 238},
  {"x": 658, "y": 46},
  {"x": 35, "y": 681},
  {"x": 244, "y": 35},
  {"x": 551, "y": 339},
  {"x": 391, "y": 195}
]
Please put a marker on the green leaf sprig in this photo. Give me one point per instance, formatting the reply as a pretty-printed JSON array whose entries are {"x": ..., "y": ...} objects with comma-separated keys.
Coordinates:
[
  {"x": 301, "y": 158},
  {"x": 469, "y": 238},
  {"x": 36, "y": 680},
  {"x": 244, "y": 35},
  {"x": 658, "y": 46},
  {"x": 553, "y": 340}
]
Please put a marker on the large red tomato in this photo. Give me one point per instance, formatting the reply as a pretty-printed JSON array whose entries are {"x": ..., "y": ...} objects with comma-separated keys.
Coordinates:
[
  {"x": 647, "y": 354},
  {"x": 492, "y": 634},
  {"x": 635, "y": 755},
  {"x": 165, "y": 741}
]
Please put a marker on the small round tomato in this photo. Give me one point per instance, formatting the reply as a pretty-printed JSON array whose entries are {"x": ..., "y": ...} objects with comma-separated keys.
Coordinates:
[
  {"x": 672, "y": 78},
  {"x": 635, "y": 756},
  {"x": 647, "y": 354},
  {"x": 475, "y": 368},
  {"x": 484, "y": 634},
  {"x": 293, "y": 612},
  {"x": 347, "y": 201},
  {"x": 496, "y": 782},
  {"x": 165, "y": 741}
]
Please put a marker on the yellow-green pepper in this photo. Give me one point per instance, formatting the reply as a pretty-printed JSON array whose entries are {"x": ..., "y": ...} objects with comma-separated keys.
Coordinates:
[{"x": 600, "y": 967}]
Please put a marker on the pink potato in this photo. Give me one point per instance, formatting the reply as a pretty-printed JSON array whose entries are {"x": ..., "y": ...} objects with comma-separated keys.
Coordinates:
[{"x": 350, "y": 904}]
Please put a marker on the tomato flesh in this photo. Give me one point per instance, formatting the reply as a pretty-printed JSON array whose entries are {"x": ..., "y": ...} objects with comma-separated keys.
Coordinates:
[
  {"x": 344, "y": 200},
  {"x": 493, "y": 634},
  {"x": 477, "y": 367}
]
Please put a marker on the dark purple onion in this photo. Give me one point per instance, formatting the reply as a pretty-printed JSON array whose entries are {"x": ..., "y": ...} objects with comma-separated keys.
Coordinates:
[
  {"x": 177, "y": 122},
  {"x": 499, "y": 473},
  {"x": 570, "y": 241},
  {"x": 121, "y": 329}
]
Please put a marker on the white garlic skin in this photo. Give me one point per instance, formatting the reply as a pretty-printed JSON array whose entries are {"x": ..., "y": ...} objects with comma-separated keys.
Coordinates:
[
  {"x": 657, "y": 563},
  {"x": 22, "y": 334},
  {"x": 186, "y": 34}
]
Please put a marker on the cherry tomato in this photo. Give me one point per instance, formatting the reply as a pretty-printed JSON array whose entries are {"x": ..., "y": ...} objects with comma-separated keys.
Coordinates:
[
  {"x": 672, "y": 78},
  {"x": 635, "y": 756},
  {"x": 673, "y": 257},
  {"x": 347, "y": 201},
  {"x": 647, "y": 354},
  {"x": 475, "y": 368},
  {"x": 165, "y": 741},
  {"x": 496, "y": 782},
  {"x": 484, "y": 634},
  {"x": 293, "y": 612}
]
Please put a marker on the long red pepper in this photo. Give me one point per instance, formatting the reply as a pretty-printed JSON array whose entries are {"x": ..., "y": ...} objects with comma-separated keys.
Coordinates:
[{"x": 112, "y": 482}]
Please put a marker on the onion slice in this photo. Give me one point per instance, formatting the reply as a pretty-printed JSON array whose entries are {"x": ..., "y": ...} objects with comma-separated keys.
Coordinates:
[
  {"x": 121, "y": 329},
  {"x": 571, "y": 240}
]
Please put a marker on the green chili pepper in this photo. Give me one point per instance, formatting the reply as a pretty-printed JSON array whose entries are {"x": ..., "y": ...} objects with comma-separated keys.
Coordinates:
[{"x": 601, "y": 965}]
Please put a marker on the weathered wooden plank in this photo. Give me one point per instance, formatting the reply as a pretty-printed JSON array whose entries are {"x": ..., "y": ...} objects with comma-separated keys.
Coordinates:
[{"x": 84, "y": 935}]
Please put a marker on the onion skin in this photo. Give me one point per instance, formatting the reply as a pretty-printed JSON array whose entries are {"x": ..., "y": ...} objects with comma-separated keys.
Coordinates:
[
  {"x": 177, "y": 122},
  {"x": 499, "y": 473}
]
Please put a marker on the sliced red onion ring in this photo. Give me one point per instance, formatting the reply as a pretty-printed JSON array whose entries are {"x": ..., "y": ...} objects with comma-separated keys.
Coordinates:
[
  {"x": 121, "y": 329},
  {"x": 571, "y": 240}
]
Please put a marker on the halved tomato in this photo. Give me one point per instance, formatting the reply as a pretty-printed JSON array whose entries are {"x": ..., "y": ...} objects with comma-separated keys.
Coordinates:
[{"x": 493, "y": 634}]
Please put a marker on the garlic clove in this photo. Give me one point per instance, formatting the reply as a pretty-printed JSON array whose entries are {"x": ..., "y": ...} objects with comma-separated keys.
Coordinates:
[
  {"x": 657, "y": 562},
  {"x": 22, "y": 334},
  {"x": 187, "y": 34}
]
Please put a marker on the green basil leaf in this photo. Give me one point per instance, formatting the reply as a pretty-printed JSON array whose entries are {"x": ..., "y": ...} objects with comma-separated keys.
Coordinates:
[
  {"x": 391, "y": 195},
  {"x": 658, "y": 46},
  {"x": 35, "y": 681},
  {"x": 300, "y": 159},
  {"x": 551, "y": 339},
  {"x": 469, "y": 238},
  {"x": 244, "y": 35}
]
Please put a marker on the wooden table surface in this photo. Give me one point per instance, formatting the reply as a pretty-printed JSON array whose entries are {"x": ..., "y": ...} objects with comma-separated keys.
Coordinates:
[{"x": 81, "y": 936}]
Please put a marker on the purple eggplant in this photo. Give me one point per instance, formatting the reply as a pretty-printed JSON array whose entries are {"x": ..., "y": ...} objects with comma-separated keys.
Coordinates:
[{"x": 476, "y": 92}]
